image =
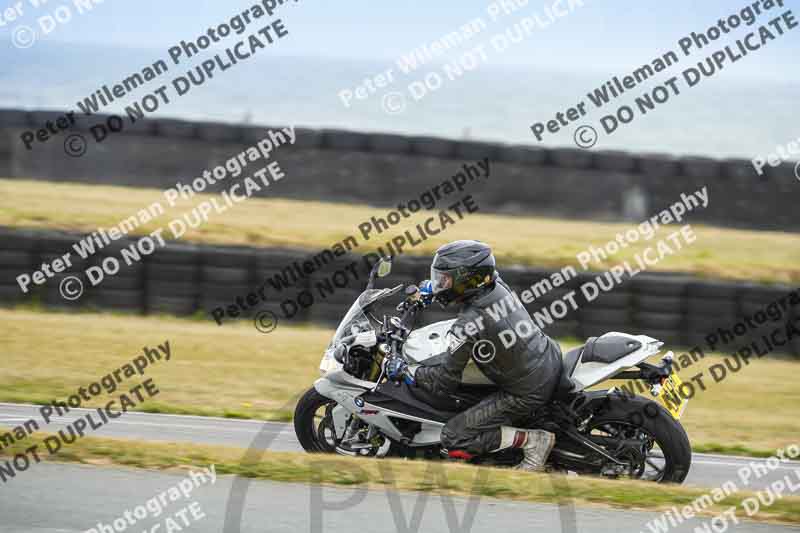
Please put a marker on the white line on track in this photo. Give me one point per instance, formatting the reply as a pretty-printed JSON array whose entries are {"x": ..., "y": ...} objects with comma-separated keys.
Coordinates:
[
  {"x": 66, "y": 420},
  {"x": 697, "y": 458},
  {"x": 137, "y": 413}
]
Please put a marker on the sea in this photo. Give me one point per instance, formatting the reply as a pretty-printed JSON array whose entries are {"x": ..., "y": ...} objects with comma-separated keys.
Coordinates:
[{"x": 722, "y": 116}]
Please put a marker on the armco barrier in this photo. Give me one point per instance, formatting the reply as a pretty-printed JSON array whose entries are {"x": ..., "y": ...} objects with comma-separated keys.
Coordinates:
[
  {"x": 381, "y": 169},
  {"x": 184, "y": 279}
]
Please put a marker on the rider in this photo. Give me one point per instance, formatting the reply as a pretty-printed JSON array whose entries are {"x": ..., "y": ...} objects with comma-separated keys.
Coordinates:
[{"x": 463, "y": 272}]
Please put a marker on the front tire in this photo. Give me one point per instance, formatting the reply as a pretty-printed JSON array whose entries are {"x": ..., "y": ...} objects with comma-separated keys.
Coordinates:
[
  {"x": 313, "y": 426},
  {"x": 309, "y": 423}
]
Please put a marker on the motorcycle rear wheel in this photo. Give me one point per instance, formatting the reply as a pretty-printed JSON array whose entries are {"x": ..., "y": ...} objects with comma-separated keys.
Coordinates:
[{"x": 669, "y": 455}]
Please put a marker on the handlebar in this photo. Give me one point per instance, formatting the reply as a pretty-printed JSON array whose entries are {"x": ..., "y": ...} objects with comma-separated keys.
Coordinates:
[{"x": 395, "y": 331}]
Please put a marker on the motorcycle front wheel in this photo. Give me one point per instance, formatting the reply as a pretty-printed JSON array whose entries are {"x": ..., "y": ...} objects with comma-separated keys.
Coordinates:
[
  {"x": 312, "y": 423},
  {"x": 314, "y": 427}
]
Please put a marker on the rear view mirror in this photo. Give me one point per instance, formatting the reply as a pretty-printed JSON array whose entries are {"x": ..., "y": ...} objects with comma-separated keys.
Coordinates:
[
  {"x": 384, "y": 268},
  {"x": 381, "y": 269}
]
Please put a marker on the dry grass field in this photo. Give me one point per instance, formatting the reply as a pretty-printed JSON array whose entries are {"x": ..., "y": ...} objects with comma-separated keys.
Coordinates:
[{"x": 543, "y": 242}]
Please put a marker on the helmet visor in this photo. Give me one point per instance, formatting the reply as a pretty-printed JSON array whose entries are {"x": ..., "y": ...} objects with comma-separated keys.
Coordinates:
[{"x": 440, "y": 281}]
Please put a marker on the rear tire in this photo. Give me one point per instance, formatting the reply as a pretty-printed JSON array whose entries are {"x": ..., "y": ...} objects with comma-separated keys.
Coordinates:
[{"x": 653, "y": 419}]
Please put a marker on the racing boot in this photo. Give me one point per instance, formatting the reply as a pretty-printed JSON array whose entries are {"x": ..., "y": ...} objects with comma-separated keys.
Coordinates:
[{"x": 535, "y": 444}]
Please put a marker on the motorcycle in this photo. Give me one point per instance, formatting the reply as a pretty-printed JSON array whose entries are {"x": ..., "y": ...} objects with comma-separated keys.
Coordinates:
[{"x": 353, "y": 409}]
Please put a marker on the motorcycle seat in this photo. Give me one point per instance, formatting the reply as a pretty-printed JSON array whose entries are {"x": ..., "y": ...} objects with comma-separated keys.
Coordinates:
[{"x": 607, "y": 349}]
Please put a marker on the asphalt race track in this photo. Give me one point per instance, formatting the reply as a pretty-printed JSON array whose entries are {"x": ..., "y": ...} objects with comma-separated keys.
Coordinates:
[
  {"x": 71, "y": 498},
  {"x": 52, "y": 497},
  {"x": 707, "y": 470}
]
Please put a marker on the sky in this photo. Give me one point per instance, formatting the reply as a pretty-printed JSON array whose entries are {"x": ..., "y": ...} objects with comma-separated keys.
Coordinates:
[
  {"x": 747, "y": 108},
  {"x": 600, "y": 34}
]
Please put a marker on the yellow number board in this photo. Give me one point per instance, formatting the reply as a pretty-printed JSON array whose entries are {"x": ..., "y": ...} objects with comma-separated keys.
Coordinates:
[{"x": 670, "y": 396}]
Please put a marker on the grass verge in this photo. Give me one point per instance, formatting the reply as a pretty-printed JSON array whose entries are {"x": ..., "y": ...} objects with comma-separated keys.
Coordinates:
[
  {"x": 538, "y": 241},
  {"x": 435, "y": 477}
]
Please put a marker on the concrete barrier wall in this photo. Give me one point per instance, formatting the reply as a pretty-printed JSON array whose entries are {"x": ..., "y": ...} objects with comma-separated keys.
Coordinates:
[
  {"x": 183, "y": 279},
  {"x": 382, "y": 170}
]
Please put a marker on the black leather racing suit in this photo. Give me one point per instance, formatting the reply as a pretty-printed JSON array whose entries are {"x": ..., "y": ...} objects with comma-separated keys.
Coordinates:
[{"x": 526, "y": 372}]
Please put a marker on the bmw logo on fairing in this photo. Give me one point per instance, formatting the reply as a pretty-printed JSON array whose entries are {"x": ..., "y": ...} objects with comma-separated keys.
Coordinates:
[{"x": 359, "y": 401}]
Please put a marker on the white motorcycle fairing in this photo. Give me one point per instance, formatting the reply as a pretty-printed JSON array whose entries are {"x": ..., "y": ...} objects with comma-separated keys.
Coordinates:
[
  {"x": 426, "y": 343},
  {"x": 587, "y": 374},
  {"x": 346, "y": 391}
]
